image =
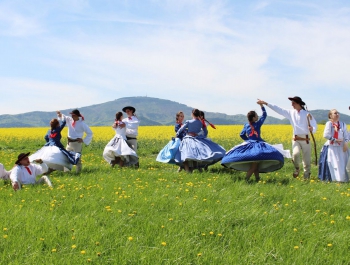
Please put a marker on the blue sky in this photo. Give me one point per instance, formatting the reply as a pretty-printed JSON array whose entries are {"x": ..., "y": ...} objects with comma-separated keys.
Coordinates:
[{"x": 214, "y": 55}]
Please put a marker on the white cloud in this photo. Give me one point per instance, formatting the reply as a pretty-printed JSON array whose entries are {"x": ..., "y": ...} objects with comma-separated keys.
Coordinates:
[{"x": 212, "y": 57}]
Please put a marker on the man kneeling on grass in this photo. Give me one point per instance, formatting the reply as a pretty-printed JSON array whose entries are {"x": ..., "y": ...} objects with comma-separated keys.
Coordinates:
[{"x": 25, "y": 172}]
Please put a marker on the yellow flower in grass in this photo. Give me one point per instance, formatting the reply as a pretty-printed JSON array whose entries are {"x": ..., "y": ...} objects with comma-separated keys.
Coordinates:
[
  {"x": 163, "y": 244},
  {"x": 332, "y": 222},
  {"x": 74, "y": 246},
  {"x": 130, "y": 238},
  {"x": 199, "y": 254},
  {"x": 295, "y": 230},
  {"x": 54, "y": 250},
  {"x": 348, "y": 217},
  {"x": 5, "y": 236},
  {"x": 329, "y": 245},
  {"x": 296, "y": 247},
  {"x": 211, "y": 233},
  {"x": 83, "y": 252},
  {"x": 5, "y": 229}
]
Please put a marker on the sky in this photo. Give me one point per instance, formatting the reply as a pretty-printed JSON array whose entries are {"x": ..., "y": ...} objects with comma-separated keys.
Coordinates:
[{"x": 218, "y": 56}]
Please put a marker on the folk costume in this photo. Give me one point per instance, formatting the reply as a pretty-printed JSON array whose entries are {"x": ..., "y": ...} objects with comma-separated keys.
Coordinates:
[
  {"x": 255, "y": 149},
  {"x": 53, "y": 153},
  {"x": 333, "y": 159},
  {"x": 301, "y": 139},
  {"x": 76, "y": 130},
  {"x": 132, "y": 126},
  {"x": 27, "y": 174},
  {"x": 118, "y": 147},
  {"x": 195, "y": 148},
  {"x": 4, "y": 174},
  {"x": 167, "y": 154}
]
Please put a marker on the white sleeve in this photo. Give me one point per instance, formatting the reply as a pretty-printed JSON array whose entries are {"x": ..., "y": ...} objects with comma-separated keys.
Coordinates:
[
  {"x": 285, "y": 113},
  {"x": 327, "y": 133},
  {"x": 15, "y": 173},
  {"x": 88, "y": 137},
  {"x": 40, "y": 169},
  {"x": 3, "y": 173}
]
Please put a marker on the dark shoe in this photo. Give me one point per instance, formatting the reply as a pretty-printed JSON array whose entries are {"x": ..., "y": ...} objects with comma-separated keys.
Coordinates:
[
  {"x": 296, "y": 173},
  {"x": 50, "y": 171}
]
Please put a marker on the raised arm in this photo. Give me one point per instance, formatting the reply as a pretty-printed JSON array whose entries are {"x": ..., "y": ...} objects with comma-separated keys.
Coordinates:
[{"x": 285, "y": 113}]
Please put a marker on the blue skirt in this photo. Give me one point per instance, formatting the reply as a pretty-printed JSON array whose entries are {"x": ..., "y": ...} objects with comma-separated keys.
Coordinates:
[
  {"x": 167, "y": 154},
  {"x": 201, "y": 150},
  {"x": 323, "y": 170},
  {"x": 242, "y": 156}
]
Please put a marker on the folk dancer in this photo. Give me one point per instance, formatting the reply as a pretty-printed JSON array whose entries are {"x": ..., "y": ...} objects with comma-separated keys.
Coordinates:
[
  {"x": 76, "y": 129},
  {"x": 25, "y": 172},
  {"x": 132, "y": 125},
  {"x": 299, "y": 118}
]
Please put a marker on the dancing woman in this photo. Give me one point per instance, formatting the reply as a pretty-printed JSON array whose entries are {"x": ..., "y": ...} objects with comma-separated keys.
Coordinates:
[
  {"x": 195, "y": 148},
  {"x": 117, "y": 150},
  {"x": 167, "y": 154},
  {"x": 53, "y": 153},
  {"x": 254, "y": 155},
  {"x": 335, "y": 153}
]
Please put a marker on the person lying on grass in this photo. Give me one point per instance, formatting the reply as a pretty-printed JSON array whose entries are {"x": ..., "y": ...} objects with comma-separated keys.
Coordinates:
[{"x": 25, "y": 173}]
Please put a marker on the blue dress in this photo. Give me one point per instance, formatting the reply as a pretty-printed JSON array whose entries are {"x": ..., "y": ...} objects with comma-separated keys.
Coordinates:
[
  {"x": 254, "y": 149},
  {"x": 324, "y": 173},
  {"x": 167, "y": 154},
  {"x": 53, "y": 138},
  {"x": 196, "y": 147}
]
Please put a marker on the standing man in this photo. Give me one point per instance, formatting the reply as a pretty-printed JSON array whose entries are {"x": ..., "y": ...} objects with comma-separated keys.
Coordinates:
[
  {"x": 132, "y": 126},
  {"x": 25, "y": 173},
  {"x": 76, "y": 129},
  {"x": 298, "y": 118}
]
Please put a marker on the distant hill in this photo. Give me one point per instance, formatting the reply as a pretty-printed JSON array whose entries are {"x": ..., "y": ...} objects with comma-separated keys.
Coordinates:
[{"x": 151, "y": 111}]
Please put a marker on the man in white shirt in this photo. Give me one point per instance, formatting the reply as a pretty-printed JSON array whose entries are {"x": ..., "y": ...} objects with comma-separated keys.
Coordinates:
[
  {"x": 25, "y": 173},
  {"x": 76, "y": 129},
  {"x": 5, "y": 175},
  {"x": 299, "y": 118},
  {"x": 132, "y": 125}
]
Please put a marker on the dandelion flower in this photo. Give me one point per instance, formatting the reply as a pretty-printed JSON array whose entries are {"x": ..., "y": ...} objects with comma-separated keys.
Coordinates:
[
  {"x": 296, "y": 247},
  {"x": 74, "y": 246},
  {"x": 199, "y": 254},
  {"x": 329, "y": 245},
  {"x": 5, "y": 236},
  {"x": 83, "y": 252},
  {"x": 163, "y": 244},
  {"x": 295, "y": 229},
  {"x": 211, "y": 233},
  {"x": 130, "y": 238},
  {"x": 54, "y": 250}
]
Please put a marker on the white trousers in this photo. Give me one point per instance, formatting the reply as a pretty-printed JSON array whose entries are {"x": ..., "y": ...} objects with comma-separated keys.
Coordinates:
[
  {"x": 301, "y": 147},
  {"x": 75, "y": 147}
]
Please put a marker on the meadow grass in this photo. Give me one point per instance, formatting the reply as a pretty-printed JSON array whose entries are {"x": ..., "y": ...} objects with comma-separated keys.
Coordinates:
[{"x": 154, "y": 215}]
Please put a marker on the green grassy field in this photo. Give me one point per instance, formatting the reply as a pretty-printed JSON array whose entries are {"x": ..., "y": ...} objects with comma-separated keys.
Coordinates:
[{"x": 154, "y": 215}]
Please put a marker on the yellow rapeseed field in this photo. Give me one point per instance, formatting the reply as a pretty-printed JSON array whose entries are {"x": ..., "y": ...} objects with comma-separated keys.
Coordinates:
[{"x": 270, "y": 133}]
